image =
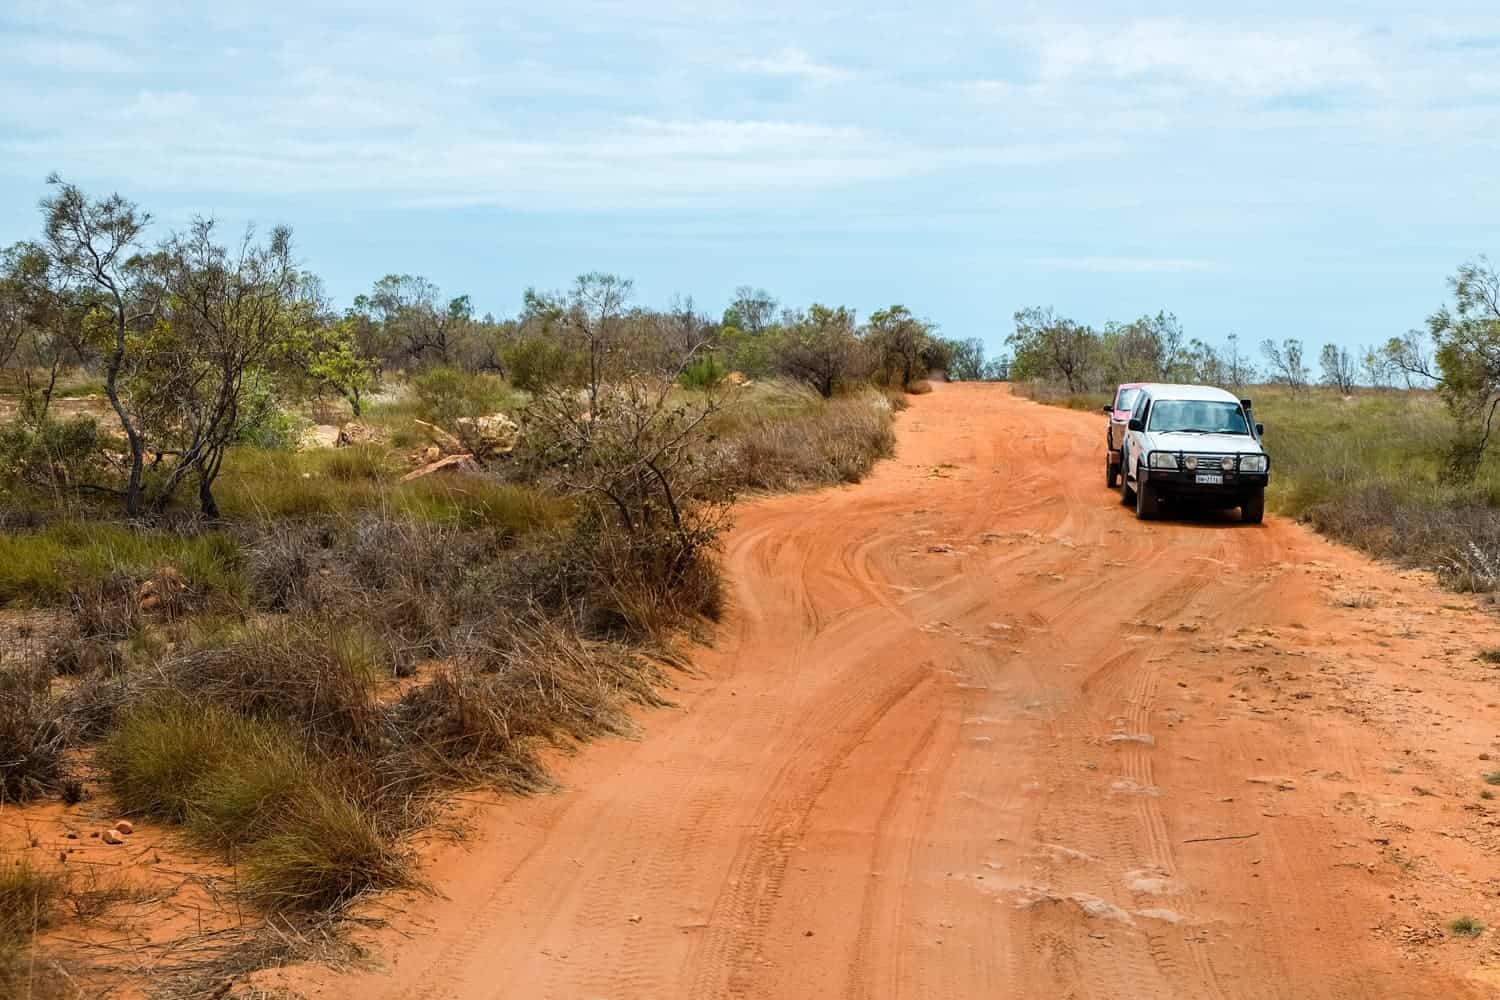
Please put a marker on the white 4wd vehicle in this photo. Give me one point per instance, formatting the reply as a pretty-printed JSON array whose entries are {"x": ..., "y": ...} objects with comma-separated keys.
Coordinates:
[{"x": 1193, "y": 442}]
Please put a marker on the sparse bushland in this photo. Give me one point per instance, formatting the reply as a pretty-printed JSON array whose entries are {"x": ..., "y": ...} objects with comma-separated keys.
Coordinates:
[{"x": 293, "y": 655}]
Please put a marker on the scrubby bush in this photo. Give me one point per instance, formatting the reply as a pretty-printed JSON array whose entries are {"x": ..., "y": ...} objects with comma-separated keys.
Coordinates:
[
  {"x": 50, "y": 455},
  {"x": 704, "y": 373},
  {"x": 535, "y": 362},
  {"x": 322, "y": 852},
  {"x": 315, "y": 676},
  {"x": 28, "y": 900},
  {"x": 32, "y": 740},
  {"x": 306, "y": 843},
  {"x": 521, "y": 687},
  {"x": 838, "y": 443},
  {"x": 445, "y": 394}
]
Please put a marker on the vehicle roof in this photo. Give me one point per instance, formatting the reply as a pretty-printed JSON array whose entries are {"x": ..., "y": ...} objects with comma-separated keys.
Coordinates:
[{"x": 1166, "y": 390}]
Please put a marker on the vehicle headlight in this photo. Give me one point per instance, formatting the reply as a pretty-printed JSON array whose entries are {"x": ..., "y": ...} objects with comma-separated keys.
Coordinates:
[
  {"x": 1253, "y": 463},
  {"x": 1163, "y": 460},
  {"x": 1226, "y": 463},
  {"x": 1191, "y": 462}
]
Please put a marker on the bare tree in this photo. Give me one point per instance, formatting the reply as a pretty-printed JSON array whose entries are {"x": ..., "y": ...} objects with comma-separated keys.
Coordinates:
[
  {"x": 1237, "y": 368},
  {"x": 1411, "y": 356},
  {"x": 1286, "y": 362},
  {"x": 1375, "y": 365},
  {"x": 1339, "y": 369}
]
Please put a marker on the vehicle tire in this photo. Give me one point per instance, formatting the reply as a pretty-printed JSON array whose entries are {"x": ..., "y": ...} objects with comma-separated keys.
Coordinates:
[
  {"x": 1127, "y": 495},
  {"x": 1253, "y": 510},
  {"x": 1145, "y": 502},
  {"x": 1111, "y": 473}
]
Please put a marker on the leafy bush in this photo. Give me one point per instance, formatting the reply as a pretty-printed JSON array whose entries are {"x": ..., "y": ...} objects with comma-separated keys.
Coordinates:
[
  {"x": 445, "y": 394},
  {"x": 704, "y": 373},
  {"x": 279, "y": 430},
  {"x": 54, "y": 454},
  {"x": 537, "y": 362}
]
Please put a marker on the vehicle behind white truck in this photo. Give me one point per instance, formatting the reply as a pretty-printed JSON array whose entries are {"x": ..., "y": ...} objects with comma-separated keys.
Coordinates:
[{"x": 1193, "y": 443}]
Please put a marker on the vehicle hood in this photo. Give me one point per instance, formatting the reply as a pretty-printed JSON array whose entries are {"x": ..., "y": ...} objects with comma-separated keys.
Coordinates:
[{"x": 1214, "y": 444}]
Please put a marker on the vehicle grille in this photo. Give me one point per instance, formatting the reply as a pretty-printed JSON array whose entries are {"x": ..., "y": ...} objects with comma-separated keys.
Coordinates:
[{"x": 1208, "y": 462}]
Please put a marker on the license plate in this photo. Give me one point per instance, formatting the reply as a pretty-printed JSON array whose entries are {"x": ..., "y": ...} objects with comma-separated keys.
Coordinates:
[{"x": 1211, "y": 478}]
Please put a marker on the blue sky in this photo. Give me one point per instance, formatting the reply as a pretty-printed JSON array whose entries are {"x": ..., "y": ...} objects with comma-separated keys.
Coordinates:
[{"x": 1270, "y": 170}]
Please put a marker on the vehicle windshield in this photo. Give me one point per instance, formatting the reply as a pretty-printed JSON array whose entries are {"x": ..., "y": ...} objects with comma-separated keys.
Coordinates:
[
  {"x": 1197, "y": 416},
  {"x": 1126, "y": 400}
]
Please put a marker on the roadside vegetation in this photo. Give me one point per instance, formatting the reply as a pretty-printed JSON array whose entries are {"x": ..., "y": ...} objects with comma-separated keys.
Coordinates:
[
  {"x": 309, "y": 571},
  {"x": 1389, "y": 449}
]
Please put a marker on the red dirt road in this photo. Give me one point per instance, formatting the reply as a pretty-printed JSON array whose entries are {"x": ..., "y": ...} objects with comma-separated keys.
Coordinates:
[{"x": 971, "y": 730}]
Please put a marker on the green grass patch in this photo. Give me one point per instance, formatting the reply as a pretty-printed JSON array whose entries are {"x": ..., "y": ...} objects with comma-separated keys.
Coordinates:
[
  {"x": 1492, "y": 778},
  {"x": 42, "y": 567},
  {"x": 342, "y": 481}
]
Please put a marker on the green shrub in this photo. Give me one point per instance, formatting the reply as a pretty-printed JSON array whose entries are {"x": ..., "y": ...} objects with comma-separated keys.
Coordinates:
[
  {"x": 538, "y": 362},
  {"x": 279, "y": 430},
  {"x": 55, "y": 453},
  {"x": 445, "y": 394},
  {"x": 160, "y": 753},
  {"x": 704, "y": 373}
]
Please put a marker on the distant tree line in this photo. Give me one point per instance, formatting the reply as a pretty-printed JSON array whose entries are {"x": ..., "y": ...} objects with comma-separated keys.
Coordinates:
[
  {"x": 1458, "y": 355},
  {"x": 199, "y": 339}
]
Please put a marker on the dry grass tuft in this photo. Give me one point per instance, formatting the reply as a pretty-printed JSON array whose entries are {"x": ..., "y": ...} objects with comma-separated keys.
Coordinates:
[
  {"x": 838, "y": 442},
  {"x": 32, "y": 739}
]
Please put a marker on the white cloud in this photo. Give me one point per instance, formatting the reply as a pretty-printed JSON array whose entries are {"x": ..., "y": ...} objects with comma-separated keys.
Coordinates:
[
  {"x": 1246, "y": 62},
  {"x": 1127, "y": 265},
  {"x": 68, "y": 55},
  {"x": 794, "y": 62}
]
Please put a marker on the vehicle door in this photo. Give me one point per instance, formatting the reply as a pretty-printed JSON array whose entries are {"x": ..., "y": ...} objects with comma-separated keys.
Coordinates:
[{"x": 1132, "y": 447}]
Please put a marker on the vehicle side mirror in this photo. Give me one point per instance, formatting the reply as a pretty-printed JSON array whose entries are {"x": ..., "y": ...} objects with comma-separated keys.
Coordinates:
[
  {"x": 1107, "y": 408},
  {"x": 1260, "y": 430},
  {"x": 1137, "y": 424}
]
